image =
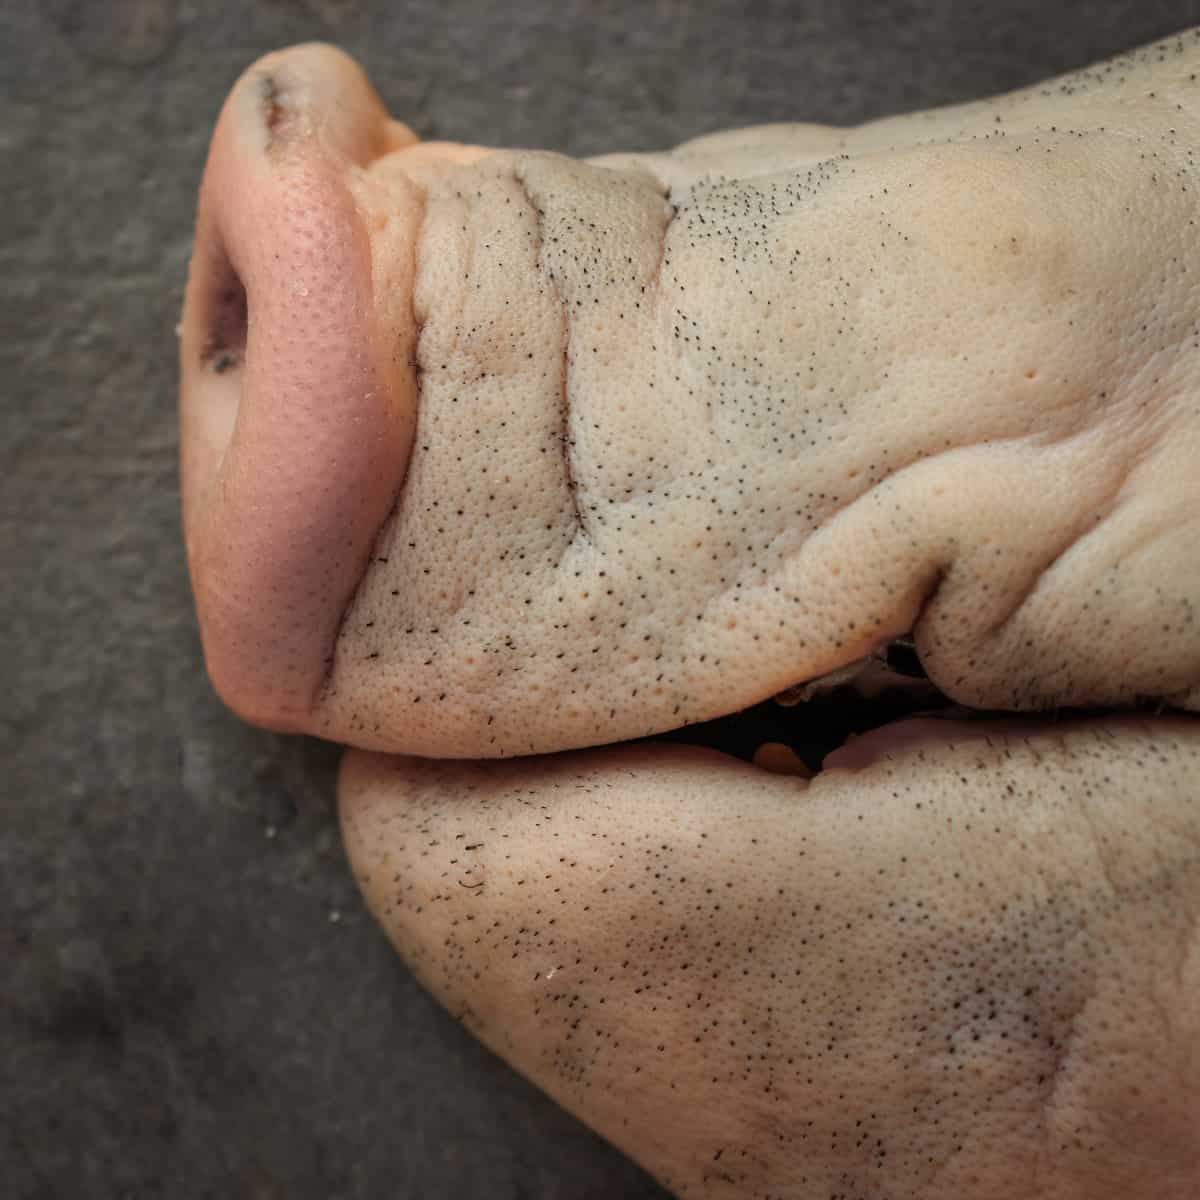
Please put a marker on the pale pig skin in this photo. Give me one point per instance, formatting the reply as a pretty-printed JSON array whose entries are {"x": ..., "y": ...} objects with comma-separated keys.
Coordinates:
[{"x": 496, "y": 453}]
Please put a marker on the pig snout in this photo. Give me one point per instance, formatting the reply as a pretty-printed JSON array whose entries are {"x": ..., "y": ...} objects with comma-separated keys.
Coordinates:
[{"x": 296, "y": 421}]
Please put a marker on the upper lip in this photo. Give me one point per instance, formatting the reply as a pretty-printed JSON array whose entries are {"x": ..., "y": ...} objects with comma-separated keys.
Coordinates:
[{"x": 253, "y": 531}]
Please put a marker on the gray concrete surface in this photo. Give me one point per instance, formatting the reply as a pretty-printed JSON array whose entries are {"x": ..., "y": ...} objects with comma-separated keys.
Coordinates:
[{"x": 192, "y": 1002}]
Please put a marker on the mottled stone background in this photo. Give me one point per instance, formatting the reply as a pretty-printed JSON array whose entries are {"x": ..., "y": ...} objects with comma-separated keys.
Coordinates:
[{"x": 192, "y": 1001}]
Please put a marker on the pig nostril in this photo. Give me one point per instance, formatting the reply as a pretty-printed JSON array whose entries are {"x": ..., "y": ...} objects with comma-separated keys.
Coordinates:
[{"x": 224, "y": 346}]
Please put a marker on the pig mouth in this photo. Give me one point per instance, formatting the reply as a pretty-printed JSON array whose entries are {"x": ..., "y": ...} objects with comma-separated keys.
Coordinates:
[
  {"x": 254, "y": 507},
  {"x": 878, "y": 705}
]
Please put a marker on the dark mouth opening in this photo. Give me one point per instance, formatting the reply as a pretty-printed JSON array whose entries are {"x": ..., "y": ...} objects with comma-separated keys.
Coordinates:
[{"x": 791, "y": 733}]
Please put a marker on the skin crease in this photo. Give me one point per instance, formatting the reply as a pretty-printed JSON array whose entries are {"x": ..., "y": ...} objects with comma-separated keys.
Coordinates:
[{"x": 495, "y": 453}]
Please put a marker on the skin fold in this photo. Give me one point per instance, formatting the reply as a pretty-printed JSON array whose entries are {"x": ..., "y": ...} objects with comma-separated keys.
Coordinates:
[{"x": 491, "y": 456}]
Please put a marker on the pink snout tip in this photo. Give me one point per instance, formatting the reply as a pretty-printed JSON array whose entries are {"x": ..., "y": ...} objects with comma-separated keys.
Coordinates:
[{"x": 294, "y": 431}]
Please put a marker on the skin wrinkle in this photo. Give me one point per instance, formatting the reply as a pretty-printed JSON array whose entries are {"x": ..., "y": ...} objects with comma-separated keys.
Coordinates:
[
  {"x": 418, "y": 318},
  {"x": 1064, "y": 1054},
  {"x": 459, "y": 314},
  {"x": 566, "y": 435},
  {"x": 1069, "y": 1060},
  {"x": 321, "y": 688},
  {"x": 672, "y": 213},
  {"x": 1087, "y": 526},
  {"x": 1189, "y": 959},
  {"x": 1179, "y": 1066}
]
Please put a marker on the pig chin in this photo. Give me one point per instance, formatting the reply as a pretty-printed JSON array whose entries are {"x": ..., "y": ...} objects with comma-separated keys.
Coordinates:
[{"x": 494, "y": 453}]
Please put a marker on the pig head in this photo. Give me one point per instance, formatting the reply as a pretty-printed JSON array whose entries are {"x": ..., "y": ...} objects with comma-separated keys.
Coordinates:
[{"x": 491, "y": 454}]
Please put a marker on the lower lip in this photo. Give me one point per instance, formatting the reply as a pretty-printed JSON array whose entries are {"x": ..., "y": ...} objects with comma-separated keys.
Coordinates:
[{"x": 901, "y": 737}]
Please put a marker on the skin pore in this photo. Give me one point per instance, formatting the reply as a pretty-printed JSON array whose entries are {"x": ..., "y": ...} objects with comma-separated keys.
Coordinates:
[{"x": 491, "y": 456}]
